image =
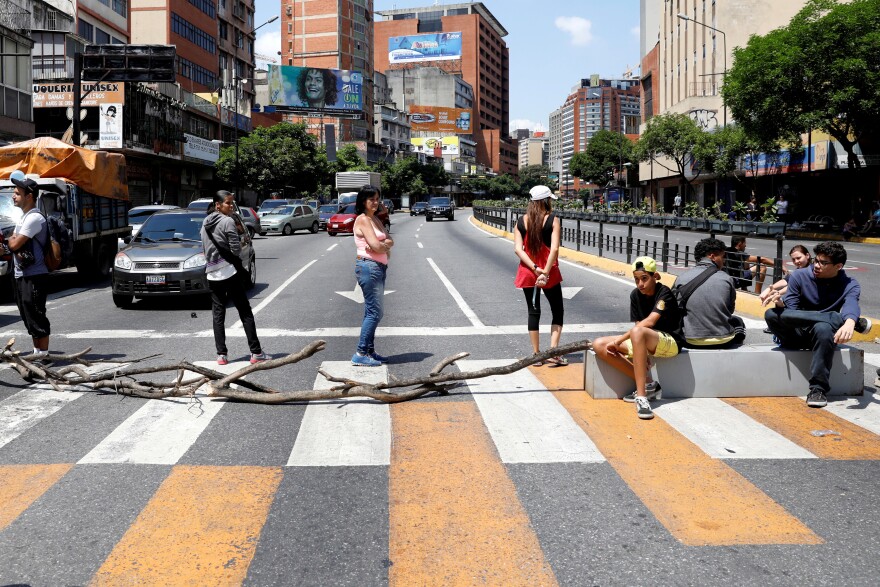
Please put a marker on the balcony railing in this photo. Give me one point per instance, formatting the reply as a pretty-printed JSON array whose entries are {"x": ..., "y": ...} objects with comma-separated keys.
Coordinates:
[
  {"x": 701, "y": 89},
  {"x": 48, "y": 68},
  {"x": 15, "y": 17}
]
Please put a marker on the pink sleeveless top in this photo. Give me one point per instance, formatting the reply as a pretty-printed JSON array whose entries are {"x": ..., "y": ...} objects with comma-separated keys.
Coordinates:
[{"x": 363, "y": 248}]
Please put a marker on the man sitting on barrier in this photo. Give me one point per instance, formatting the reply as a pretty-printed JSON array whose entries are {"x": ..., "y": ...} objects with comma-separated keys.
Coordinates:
[
  {"x": 743, "y": 267},
  {"x": 656, "y": 333},
  {"x": 819, "y": 311},
  {"x": 708, "y": 321}
]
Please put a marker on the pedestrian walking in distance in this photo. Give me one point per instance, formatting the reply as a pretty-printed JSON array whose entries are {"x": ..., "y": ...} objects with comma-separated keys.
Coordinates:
[
  {"x": 226, "y": 276},
  {"x": 370, "y": 268},
  {"x": 536, "y": 243}
]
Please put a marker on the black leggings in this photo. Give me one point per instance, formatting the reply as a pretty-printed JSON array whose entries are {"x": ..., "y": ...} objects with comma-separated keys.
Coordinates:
[{"x": 554, "y": 298}]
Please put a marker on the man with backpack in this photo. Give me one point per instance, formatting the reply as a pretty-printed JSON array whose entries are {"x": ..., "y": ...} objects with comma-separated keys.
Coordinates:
[
  {"x": 28, "y": 243},
  {"x": 708, "y": 320}
]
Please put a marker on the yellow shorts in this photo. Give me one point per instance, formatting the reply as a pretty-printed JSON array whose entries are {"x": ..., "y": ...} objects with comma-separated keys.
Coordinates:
[{"x": 666, "y": 347}]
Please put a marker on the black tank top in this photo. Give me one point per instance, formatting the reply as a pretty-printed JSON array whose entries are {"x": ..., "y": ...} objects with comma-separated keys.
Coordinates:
[{"x": 546, "y": 230}]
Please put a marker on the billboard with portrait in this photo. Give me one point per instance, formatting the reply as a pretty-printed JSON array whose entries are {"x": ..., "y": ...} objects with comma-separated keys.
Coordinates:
[
  {"x": 311, "y": 89},
  {"x": 425, "y": 47},
  {"x": 431, "y": 145},
  {"x": 441, "y": 119}
]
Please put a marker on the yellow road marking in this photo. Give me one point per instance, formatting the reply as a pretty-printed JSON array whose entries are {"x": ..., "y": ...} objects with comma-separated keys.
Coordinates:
[
  {"x": 22, "y": 485},
  {"x": 791, "y": 417},
  {"x": 700, "y": 500},
  {"x": 200, "y": 528},
  {"x": 455, "y": 515}
]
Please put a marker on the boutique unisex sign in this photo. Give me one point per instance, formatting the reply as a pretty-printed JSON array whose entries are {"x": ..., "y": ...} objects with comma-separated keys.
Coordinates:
[{"x": 61, "y": 95}]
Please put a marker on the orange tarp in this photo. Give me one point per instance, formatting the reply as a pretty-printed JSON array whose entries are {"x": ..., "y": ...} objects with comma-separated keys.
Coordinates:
[{"x": 97, "y": 172}]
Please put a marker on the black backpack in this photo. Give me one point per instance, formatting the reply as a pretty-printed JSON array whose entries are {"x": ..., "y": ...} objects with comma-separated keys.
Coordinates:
[{"x": 62, "y": 235}]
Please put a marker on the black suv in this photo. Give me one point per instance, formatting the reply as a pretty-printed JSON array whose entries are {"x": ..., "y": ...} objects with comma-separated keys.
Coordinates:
[{"x": 440, "y": 207}]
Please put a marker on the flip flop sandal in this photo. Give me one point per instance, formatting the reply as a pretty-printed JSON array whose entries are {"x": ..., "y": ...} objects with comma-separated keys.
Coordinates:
[{"x": 558, "y": 361}]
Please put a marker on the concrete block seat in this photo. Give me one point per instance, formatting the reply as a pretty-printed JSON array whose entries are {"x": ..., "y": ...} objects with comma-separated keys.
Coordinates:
[{"x": 745, "y": 371}]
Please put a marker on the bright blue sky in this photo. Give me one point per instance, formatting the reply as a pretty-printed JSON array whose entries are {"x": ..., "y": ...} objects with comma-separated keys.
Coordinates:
[{"x": 553, "y": 44}]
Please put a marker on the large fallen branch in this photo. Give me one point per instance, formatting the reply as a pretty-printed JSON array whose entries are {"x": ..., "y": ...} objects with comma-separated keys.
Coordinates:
[{"x": 84, "y": 373}]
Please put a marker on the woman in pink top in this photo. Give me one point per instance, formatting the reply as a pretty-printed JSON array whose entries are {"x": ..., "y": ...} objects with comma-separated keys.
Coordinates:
[{"x": 371, "y": 265}]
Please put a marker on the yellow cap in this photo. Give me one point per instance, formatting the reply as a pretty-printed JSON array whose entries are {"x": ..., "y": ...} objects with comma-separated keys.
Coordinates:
[{"x": 646, "y": 264}]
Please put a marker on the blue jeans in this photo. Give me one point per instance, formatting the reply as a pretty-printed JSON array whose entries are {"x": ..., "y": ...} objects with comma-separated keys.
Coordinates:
[
  {"x": 803, "y": 329},
  {"x": 371, "y": 277}
]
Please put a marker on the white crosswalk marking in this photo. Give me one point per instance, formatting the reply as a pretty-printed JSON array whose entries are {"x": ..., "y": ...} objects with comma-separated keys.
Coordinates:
[
  {"x": 29, "y": 407},
  {"x": 526, "y": 422},
  {"x": 723, "y": 432},
  {"x": 344, "y": 433},
  {"x": 160, "y": 432},
  {"x": 862, "y": 411}
]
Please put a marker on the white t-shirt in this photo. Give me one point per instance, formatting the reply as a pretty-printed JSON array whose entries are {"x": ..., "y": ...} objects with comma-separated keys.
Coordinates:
[
  {"x": 224, "y": 272},
  {"x": 782, "y": 207},
  {"x": 33, "y": 226}
]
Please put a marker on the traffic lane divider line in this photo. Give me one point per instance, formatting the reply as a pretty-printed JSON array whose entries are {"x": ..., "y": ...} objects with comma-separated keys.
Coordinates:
[
  {"x": 22, "y": 485},
  {"x": 746, "y": 303},
  {"x": 277, "y": 291},
  {"x": 791, "y": 417},
  {"x": 455, "y": 517},
  {"x": 701, "y": 501},
  {"x": 201, "y": 527},
  {"x": 459, "y": 300}
]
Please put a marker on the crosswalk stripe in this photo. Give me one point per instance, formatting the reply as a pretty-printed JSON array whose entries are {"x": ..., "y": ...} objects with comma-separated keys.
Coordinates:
[
  {"x": 201, "y": 527},
  {"x": 22, "y": 485},
  {"x": 863, "y": 411},
  {"x": 700, "y": 500},
  {"x": 455, "y": 517},
  {"x": 159, "y": 433},
  {"x": 527, "y": 424},
  {"x": 723, "y": 432},
  {"x": 793, "y": 419},
  {"x": 348, "y": 432},
  {"x": 29, "y": 407}
]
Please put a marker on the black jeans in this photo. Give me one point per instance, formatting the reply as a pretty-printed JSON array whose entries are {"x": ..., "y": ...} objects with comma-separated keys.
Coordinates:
[
  {"x": 30, "y": 296},
  {"x": 802, "y": 329},
  {"x": 221, "y": 291},
  {"x": 554, "y": 297}
]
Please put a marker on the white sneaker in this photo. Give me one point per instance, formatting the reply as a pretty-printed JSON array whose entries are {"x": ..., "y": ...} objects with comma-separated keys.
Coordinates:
[
  {"x": 652, "y": 392},
  {"x": 643, "y": 408}
]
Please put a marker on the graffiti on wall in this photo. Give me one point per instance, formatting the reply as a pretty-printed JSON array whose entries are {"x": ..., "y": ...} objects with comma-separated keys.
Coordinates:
[{"x": 705, "y": 119}]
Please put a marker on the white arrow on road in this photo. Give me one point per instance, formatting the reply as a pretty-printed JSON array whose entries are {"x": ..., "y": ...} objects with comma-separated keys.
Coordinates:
[
  {"x": 357, "y": 295},
  {"x": 570, "y": 292}
]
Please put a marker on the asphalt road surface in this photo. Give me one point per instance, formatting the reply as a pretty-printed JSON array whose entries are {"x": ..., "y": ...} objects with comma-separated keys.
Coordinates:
[{"x": 513, "y": 480}]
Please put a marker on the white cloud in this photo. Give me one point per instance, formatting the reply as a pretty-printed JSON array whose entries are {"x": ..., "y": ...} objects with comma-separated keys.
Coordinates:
[
  {"x": 636, "y": 31},
  {"x": 579, "y": 28},
  {"x": 268, "y": 43},
  {"x": 526, "y": 123}
]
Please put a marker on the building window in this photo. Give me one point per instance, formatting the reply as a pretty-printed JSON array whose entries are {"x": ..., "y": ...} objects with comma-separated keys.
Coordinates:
[
  {"x": 101, "y": 37},
  {"x": 206, "y": 6},
  {"x": 224, "y": 30},
  {"x": 290, "y": 27},
  {"x": 86, "y": 31},
  {"x": 192, "y": 33},
  {"x": 195, "y": 72}
]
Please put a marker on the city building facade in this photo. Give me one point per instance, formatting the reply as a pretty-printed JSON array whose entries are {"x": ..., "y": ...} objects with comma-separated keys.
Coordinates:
[
  {"x": 534, "y": 149},
  {"x": 16, "y": 113},
  {"x": 479, "y": 56},
  {"x": 332, "y": 34},
  {"x": 595, "y": 104}
]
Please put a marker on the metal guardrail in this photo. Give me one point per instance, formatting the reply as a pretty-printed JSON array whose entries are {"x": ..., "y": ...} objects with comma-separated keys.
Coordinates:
[{"x": 576, "y": 236}]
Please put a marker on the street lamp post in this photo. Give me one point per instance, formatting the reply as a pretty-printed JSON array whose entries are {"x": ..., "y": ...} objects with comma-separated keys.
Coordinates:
[{"x": 685, "y": 17}]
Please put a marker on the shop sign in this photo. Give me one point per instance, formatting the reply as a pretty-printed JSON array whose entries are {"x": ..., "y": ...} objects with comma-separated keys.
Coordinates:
[
  {"x": 199, "y": 148},
  {"x": 60, "y": 95}
]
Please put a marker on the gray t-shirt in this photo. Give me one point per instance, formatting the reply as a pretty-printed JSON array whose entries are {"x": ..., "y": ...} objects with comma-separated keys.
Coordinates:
[{"x": 33, "y": 226}]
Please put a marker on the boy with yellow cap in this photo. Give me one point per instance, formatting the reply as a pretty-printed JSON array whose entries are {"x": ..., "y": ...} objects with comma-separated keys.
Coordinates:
[{"x": 656, "y": 333}]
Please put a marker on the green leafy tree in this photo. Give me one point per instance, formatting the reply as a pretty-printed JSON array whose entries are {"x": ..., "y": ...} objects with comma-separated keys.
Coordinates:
[
  {"x": 606, "y": 153},
  {"x": 820, "y": 72},
  {"x": 407, "y": 175},
  {"x": 347, "y": 159},
  {"x": 274, "y": 158},
  {"x": 532, "y": 175},
  {"x": 731, "y": 152},
  {"x": 476, "y": 185},
  {"x": 503, "y": 185},
  {"x": 672, "y": 137}
]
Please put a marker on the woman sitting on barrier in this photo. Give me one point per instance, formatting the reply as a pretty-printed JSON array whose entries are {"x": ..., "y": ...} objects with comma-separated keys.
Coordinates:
[{"x": 801, "y": 258}]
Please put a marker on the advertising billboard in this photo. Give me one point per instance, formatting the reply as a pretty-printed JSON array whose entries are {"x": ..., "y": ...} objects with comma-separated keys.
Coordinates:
[
  {"x": 436, "y": 146},
  {"x": 441, "y": 119},
  {"x": 310, "y": 89},
  {"x": 426, "y": 47},
  {"x": 60, "y": 95},
  {"x": 110, "y": 126}
]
